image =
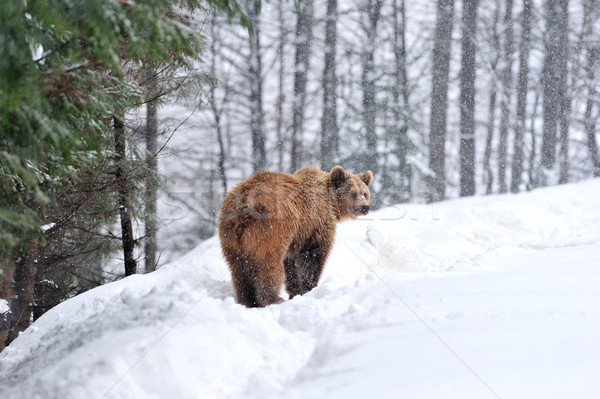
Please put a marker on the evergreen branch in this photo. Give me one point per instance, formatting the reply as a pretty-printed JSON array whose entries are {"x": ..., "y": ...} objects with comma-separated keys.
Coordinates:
[
  {"x": 158, "y": 73},
  {"x": 75, "y": 67}
]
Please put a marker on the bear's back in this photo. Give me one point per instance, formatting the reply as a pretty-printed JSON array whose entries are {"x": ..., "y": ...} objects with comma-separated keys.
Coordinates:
[
  {"x": 267, "y": 196},
  {"x": 263, "y": 195}
]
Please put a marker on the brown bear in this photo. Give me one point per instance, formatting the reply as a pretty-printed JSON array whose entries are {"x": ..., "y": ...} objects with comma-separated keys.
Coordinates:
[{"x": 277, "y": 228}]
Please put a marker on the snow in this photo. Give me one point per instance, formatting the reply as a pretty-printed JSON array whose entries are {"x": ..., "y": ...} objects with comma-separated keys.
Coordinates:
[
  {"x": 482, "y": 297},
  {"x": 47, "y": 227}
]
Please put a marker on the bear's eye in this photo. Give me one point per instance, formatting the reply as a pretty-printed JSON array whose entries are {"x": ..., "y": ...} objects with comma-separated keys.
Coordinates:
[{"x": 353, "y": 196}]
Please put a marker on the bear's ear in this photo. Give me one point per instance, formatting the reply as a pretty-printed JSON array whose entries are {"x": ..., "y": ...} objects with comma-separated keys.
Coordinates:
[
  {"x": 367, "y": 177},
  {"x": 338, "y": 176}
]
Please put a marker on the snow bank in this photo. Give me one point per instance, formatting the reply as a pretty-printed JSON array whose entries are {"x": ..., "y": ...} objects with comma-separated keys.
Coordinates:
[
  {"x": 3, "y": 306},
  {"x": 472, "y": 298}
]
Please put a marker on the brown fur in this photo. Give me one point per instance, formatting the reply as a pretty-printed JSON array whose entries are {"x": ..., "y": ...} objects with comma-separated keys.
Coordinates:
[{"x": 277, "y": 228}]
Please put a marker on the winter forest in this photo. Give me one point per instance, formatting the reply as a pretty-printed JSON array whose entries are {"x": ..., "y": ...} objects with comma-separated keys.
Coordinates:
[
  {"x": 438, "y": 99},
  {"x": 123, "y": 124}
]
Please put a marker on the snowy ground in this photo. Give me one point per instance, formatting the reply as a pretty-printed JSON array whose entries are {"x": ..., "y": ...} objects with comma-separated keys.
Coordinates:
[{"x": 489, "y": 297}]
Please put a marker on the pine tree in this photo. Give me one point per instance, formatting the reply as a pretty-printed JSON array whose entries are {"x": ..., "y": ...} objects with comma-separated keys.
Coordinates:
[{"x": 63, "y": 84}]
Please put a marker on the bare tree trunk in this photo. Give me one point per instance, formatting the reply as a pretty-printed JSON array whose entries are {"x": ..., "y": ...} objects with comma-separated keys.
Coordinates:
[
  {"x": 467, "y": 99},
  {"x": 281, "y": 95},
  {"x": 590, "y": 129},
  {"x": 592, "y": 49},
  {"x": 550, "y": 79},
  {"x": 487, "y": 170},
  {"x": 150, "y": 215},
  {"x": 531, "y": 170},
  {"x": 400, "y": 94},
  {"x": 302, "y": 61},
  {"x": 565, "y": 101},
  {"x": 368, "y": 85},
  {"x": 329, "y": 127},
  {"x": 522, "y": 89},
  {"x": 221, "y": 160},
  {"x": 256, "y": 95},
  {"x": 215, "y": 107},
  {"x": 590, "y": 123},
  {"x": 506, "y": 81},
  {"x": 489, "y": 175},
  {"x": 401, "y": 60},
  {"x": 43, "y": 292},
  {"x": 6, "y": 284},
  {"x": 21, "y": 303},
  {"x": 554, "y": 78},
  {"x": 123, "y": 198},
  {"x": 439, "y": 95}
]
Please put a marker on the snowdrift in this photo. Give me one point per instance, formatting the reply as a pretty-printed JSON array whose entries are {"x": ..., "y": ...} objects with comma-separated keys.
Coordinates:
[{"x": 482, "y": 297}]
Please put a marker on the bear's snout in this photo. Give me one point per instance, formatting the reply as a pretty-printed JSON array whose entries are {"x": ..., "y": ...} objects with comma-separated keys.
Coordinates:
[{"x": 364, "y": 209}]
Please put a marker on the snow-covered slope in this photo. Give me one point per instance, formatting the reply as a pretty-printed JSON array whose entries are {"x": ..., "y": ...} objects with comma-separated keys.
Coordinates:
[{"x": 474, "y": 298}]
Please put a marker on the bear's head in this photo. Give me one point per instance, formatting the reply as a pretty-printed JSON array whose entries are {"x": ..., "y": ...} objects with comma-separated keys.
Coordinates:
[{"x": 351, "y": 192}]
